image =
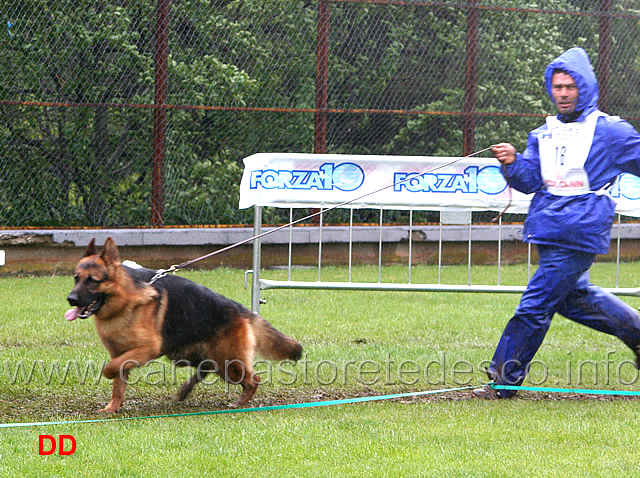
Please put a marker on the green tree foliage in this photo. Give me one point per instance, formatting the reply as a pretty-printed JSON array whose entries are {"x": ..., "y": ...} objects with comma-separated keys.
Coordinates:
[
  {"x": 259, "y": 56},
  {"x": 90, "y": 164},
  {"x": 77, "y": 141},
  {"x": 510, "y": 80},
  {"x": 82, "y": 53}
]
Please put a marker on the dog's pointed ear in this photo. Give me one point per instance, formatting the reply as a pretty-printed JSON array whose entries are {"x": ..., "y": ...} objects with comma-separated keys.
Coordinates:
[
  {"x": 110, "y": 254},
  {"x": 91, "y": 248}
]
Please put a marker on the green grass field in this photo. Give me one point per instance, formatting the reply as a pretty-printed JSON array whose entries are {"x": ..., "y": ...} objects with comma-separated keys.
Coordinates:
[{"x": 356, "y": 344}]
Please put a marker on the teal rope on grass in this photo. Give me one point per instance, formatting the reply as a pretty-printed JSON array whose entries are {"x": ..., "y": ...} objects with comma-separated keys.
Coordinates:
[
  {"x": 566, "y": 390},
  {"x": 242, "y": 410},
  {"x": 329, "y": 403}
]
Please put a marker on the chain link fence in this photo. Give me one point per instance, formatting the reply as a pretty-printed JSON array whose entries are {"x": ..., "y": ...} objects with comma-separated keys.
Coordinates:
[{"x": 139, "y": 112}]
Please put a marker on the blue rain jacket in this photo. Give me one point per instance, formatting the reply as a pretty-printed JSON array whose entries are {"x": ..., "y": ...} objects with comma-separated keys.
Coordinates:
[{"x": 580, "y": 222}]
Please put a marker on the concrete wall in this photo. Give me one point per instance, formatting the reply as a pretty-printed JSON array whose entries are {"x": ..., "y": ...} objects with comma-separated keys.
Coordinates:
[{"x": 57, "y": 251}]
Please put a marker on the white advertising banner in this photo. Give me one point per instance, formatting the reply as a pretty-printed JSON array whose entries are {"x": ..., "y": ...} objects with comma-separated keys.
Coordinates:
[{"x": 393, "y": 182}]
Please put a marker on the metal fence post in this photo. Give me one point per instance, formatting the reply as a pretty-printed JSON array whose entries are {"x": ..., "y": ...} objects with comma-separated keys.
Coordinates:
[
  {"x": 473, "y": 24},
  {"x": 160, "y": 113},
  {"x": 604, "y": 54},
  {"x": 257, "y": 251},
  {"x": 322, "y": 78}
]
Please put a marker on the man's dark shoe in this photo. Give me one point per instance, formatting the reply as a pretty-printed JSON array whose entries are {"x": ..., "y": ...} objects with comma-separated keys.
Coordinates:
[{"x": 486, "y": 392}]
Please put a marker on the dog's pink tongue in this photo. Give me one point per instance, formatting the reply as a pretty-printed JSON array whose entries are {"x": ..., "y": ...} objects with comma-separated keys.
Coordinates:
[{"x": 72, "y": 314}]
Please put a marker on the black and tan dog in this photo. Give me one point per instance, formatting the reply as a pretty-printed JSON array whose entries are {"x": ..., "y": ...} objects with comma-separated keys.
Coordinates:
[{"x": 189, "y": 323}]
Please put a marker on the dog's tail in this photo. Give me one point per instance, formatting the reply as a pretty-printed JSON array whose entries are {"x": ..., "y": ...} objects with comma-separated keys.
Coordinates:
[{"x": 273, "y": 344}]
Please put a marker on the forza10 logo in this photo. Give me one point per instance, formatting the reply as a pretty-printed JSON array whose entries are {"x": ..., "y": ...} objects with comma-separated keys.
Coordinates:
[{"x": 344, "y": 176}]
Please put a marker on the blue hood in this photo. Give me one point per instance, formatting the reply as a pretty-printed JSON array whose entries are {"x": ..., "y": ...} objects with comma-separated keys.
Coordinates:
[{"x": 576, "y": 62}]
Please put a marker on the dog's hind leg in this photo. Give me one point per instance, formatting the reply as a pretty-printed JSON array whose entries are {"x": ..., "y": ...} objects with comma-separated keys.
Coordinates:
[
  {"x": 234, "y": 350},
  {"x": 240, "y": 372},
  {"x": 187, "y": 386},
  {"x": 117, "y": 396},
  {"x": 249, "y": 387}
]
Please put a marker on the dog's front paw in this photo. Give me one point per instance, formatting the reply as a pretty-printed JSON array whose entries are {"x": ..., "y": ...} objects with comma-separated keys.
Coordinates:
[
  {"x": 113, "y": 406},
  {"x": 110, "y": 408}
]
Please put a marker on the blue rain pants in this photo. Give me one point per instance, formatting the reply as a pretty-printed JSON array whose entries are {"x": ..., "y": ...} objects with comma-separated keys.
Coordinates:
[{"x": 561, "y": 284}]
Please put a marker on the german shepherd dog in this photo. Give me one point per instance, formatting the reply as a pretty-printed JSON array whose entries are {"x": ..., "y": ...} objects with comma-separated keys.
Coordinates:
[{"x": 189, "y": 323}]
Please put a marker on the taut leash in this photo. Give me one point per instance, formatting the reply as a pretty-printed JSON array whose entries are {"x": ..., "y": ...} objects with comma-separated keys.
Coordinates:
[{"x": 163, "y": 272}]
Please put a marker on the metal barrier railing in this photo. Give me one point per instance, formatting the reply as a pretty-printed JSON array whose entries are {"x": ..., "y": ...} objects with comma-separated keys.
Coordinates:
[{"x": 449, "y": 229}]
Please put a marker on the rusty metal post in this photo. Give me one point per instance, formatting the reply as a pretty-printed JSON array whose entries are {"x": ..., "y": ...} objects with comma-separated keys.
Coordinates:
[
  {"x": 322, "y": 78},
  {"x": 160, "y": 113},
  {"x": 604, "y": 56},
  {"x": 471, "y": 80},
  {"x": 322, "y": 84}
]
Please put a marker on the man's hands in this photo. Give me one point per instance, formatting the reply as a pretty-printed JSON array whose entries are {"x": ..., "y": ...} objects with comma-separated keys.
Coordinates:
[{"x": 504, "y": 152}]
